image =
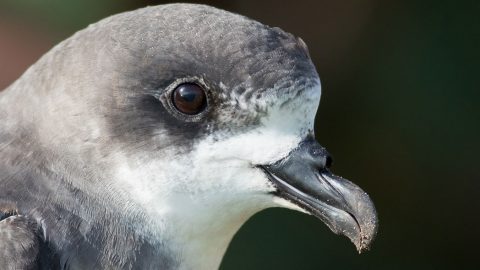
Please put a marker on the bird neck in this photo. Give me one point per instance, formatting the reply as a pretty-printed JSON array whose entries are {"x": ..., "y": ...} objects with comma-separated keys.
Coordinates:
[
  {"x": 203, "y": 245},
  {"x": 199, "y": 234}
]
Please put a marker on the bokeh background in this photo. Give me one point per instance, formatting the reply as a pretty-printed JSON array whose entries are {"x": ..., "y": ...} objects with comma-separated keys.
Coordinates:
[{"x": 399, "y": 112}]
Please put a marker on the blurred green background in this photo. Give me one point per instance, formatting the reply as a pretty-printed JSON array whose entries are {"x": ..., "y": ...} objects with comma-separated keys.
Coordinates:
[{"x": 399, "y": 113}]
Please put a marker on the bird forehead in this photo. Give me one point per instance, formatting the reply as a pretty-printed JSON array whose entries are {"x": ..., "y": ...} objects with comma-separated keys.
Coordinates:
[{"x": 177, "y": 40}]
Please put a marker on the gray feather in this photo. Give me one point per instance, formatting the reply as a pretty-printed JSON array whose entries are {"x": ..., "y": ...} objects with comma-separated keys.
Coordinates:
[{"x": 96, "y": 94}]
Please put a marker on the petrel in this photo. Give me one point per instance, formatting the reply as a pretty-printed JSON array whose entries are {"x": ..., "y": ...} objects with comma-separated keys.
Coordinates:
[{"x": 147, "y": 139}]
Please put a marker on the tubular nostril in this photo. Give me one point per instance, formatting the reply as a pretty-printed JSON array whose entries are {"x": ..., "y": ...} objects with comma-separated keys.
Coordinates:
[{"x": 328, "y": 161}]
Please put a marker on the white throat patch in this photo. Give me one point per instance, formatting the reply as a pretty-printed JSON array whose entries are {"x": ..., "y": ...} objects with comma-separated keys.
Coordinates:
[{"x": 198, "y": 200}]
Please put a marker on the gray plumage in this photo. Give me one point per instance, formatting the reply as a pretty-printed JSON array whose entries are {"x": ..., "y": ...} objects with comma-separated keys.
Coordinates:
[
  {"x": 99, "y": 169},
  {"x": 98, "y": 93}
]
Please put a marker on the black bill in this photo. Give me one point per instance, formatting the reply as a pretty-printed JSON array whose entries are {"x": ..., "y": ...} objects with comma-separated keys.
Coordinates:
[{"x": 303, "y": 178}]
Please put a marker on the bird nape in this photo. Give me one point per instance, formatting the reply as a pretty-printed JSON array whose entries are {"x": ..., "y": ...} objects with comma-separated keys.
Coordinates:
[{"x": 147, "y": 139}]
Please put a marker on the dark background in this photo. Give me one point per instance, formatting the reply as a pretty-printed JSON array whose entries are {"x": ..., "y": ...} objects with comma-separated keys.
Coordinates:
[{"x": 399, "y": 112}]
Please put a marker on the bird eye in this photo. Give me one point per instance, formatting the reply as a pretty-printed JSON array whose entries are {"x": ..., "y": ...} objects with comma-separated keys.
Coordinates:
[{"x": 189, "y": 98}]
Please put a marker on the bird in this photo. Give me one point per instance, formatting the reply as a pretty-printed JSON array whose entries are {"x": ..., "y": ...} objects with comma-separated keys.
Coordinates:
[{"x": 147, "y": 139}]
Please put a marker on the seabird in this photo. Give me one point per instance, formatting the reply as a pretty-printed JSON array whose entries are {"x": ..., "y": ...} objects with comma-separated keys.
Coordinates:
[{"x": 147, "y": 139}]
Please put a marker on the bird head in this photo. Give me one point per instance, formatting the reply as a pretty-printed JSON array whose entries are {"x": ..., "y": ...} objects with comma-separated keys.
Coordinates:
[{"x": 206, "y": 117}]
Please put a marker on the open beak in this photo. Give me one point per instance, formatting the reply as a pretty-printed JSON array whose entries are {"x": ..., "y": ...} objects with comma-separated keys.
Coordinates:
[{"x": 304, "y": 178}]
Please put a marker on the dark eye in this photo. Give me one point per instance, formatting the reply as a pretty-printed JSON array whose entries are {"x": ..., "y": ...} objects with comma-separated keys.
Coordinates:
[{"x": 189, "y": 98}]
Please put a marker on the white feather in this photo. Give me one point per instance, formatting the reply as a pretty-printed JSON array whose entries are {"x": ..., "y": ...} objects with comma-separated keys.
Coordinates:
[{"x": 198, "y": 200}]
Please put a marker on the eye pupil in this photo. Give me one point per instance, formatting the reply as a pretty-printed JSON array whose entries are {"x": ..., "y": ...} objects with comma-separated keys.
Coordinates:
[{"x": 189, "y": 98}]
